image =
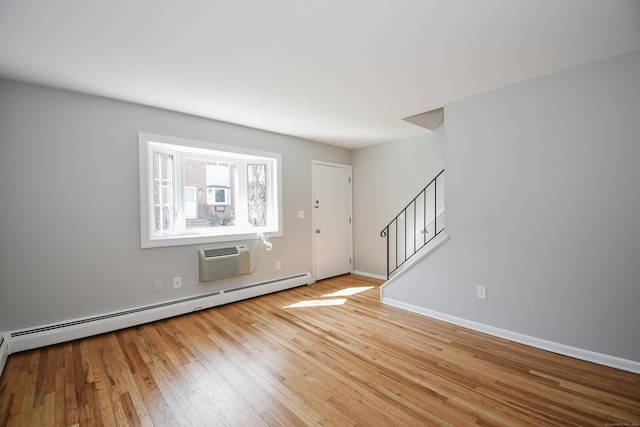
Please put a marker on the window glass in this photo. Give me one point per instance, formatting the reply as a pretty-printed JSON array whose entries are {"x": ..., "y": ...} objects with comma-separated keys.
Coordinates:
[
  {"x": 163, "y": 190},
  {"x": 194, "y": 192},
  {"x": 257, "y": 198}
]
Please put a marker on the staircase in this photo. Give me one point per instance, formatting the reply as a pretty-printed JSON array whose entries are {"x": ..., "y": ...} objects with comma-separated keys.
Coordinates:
[{"x": 416, "y": 225}]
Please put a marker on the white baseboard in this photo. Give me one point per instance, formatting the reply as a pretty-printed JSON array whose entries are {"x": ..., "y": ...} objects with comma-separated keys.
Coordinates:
[
  {"x": 45, "y": 335},
  {"x": 576, "y": 353},
  {"x": 4, "y": 350},
  {"x": 372, "y": 275}
]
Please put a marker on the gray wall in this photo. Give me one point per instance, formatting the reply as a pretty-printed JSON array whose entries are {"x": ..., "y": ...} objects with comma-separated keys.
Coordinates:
[
  {"x": 69, "y": 210},
  {"x": 385, "y": 178},
  {"x": 543, "y": 208}
]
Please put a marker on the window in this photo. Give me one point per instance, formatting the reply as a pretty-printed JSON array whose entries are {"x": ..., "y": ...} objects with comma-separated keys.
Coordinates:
[
  {"x": 218, "y": 196},
  {"x": 195, "y": 192}
]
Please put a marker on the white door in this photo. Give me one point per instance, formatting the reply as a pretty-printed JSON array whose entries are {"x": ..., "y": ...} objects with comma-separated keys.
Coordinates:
[
  {"x": 190, "y": 203},
  {"x": 331, "y": 219}
]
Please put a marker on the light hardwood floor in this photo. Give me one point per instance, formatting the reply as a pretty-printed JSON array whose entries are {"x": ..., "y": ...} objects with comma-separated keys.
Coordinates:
[{"x": 309, "y": 356}]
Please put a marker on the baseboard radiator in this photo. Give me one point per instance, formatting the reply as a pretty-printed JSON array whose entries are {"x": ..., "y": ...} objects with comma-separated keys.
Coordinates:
[
  {"x": 83, "y": 327},
  {"x": 4, "y": 352}
]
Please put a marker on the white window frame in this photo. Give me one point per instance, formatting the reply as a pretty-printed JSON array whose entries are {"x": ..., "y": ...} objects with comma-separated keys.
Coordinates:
[{"x": 149, "y": 238}]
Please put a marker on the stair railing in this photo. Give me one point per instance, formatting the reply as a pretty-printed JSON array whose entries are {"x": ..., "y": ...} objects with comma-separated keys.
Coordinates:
[{"x": 416, "y": 225}]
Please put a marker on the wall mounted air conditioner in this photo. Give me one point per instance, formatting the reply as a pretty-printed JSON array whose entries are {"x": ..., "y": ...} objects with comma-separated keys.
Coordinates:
[{"x": 223, "y": 262}]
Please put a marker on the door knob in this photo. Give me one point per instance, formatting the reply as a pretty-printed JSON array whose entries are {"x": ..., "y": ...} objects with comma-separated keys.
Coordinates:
[{"x": 318, "y": 231}]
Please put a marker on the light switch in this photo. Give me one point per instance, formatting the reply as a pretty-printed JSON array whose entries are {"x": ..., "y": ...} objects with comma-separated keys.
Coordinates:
[
  {"x": 300, "y": 214},
  {"x": 481, "y": 292}
]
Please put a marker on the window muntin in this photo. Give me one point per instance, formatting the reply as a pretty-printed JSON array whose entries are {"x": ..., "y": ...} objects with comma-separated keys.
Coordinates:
[
  {"x": 194, "y": 192},
  {"x": 163, "y": 190}
]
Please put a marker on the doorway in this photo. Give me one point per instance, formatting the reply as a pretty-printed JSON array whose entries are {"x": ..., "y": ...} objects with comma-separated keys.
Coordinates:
[{"x": 332, "y": 219}]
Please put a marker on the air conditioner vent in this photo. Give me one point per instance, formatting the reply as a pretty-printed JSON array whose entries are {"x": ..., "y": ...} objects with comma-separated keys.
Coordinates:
[
  {"x": 219, "y": 263},
  {"x": 212, "y": 253}
]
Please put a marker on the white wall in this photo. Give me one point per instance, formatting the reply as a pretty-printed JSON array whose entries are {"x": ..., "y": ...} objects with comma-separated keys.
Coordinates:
[
  {"x": 385, "y": 178},
  {"x": 69, "y": 210},
  {"x": 543, "y": 208}
]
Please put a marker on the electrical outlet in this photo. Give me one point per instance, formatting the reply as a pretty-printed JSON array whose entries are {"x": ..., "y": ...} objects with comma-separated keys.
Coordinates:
[
  {"x": 158, "y": 286},
  {"x": 278, "y": 265},
  {"x": 177, "y": 282},
  {"x": 481, "y": 292}
]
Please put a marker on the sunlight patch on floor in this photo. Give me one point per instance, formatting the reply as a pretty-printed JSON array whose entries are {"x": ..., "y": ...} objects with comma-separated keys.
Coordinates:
[
  {"x": 317, "y": 303},
  {"x": 331, "y": 298},
  {"x": 348, "y": 292}
]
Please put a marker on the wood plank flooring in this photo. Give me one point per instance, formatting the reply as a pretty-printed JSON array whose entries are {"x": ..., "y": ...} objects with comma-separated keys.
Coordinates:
[{"x": 313, "y": 355}]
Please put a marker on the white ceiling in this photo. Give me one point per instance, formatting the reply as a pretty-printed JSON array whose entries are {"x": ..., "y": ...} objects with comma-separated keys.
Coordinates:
[{"x": 344, "y": 72}]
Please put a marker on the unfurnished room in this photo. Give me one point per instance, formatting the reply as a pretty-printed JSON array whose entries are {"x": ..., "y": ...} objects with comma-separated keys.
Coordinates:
[{"x": 337, "y": 213}]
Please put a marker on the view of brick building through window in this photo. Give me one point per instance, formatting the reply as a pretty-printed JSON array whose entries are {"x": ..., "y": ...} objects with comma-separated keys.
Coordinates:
[{"x": 210, "y": 196}]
